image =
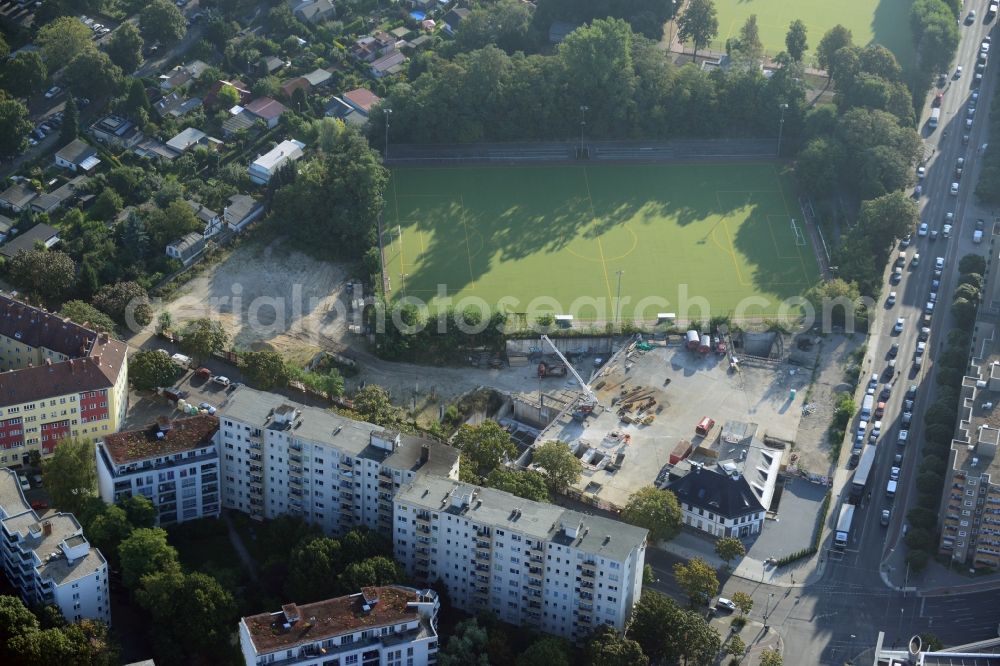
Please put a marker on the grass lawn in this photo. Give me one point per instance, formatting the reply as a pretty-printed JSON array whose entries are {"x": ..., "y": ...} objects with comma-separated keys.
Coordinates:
[
  {"x": 884, "y": 21},
  {"x": 553, "y": 238}
]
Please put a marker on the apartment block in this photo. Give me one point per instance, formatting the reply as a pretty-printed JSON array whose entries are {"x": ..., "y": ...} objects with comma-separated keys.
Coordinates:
[
  {"x": 173, "y": 463},
  {"x": 529, "y": 563},
  {"x": 64, "y": 380},
  {"x": 379, "y": 626},
  {"x": 283, "y": 458},
  {"x": 49, "y": 560},
  {"x": 970, "y": 502}
]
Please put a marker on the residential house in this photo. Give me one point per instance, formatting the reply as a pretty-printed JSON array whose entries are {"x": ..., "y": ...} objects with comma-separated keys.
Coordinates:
[
  {"x": 529, "y": 563},
  {"x": 391, "y": 625},
  {"x": 318, "y": 77},
  {"x": 17, "y": 197},
  {"x": 239, "y": 120},
  {"x": 314, "y": 11},
  {"x": 191, "y": 137},
  {"x": 362, "y": 100},
  {"x": 77, "y": 155},
  {"x": 266, "y": 165},
  {"x": 116, "y": 131},
  {"x": 291, "y": 85},
  {"x": 49, "y": 201},
  {"x": 338, "y": 108},
  {"x": 417, "y": 43},
  {"x": 182, "y": 74},
  {"x": 174, "y": 464},
  {"x": 6, "y": 225},
  {"x": 150, "y": 148},
  {"x": 241, "y": 88},
  {"x": 400, "y": 33},
  {"x": 176, "y": 104},
  {"x": 454, "y": 18},
  {"x": 40, "y": 233},
  {"x": 372, "y": 47},
  {"x": 270, "y": 64},
  {"x": 208, "y": 217},
  {"x": 388, "y": 65},
  {"x": 187, "y": 248},
  {"x": 267, "y": 109},
  {"x": 48, "y": 560},
  {"x": 241, "y": 211},
  {"x": 64, "y": 380},
  {"x": 307, "y": 82},
  {"x": 719, "y": 502}
]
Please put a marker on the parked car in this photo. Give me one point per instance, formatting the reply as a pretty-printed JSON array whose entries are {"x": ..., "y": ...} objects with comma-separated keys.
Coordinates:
[
  {"x": 898, "y": 328},
  {"x": 893, "y": 350},
  {"x": 23, "y": 481},
  {"x": 52, "y": 92},
  {"x": 207, "y": 407},
  {"x": 894, "y": 474},
  {"x": 892, "y": 299},
  {"x": 221, "y": 380},
  {"x": 40, "y": 505},
  {"x": 203, "y": 373},
  {"x": 922, "y": 229},
  {"x": 954, "y": 189},
  {"x": 886, "y": 515},
  {"x": 726, "y": 604}
]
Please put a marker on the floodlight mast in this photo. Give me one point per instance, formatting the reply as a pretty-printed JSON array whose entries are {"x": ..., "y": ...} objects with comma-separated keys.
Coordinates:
[{"x": 591, "y": 396}]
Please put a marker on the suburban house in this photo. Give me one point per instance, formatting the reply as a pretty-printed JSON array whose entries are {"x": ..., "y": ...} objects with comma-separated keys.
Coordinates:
[
  {"x": 187, "y": 248},
  {"x": 291, "y": 85},
  {"x": 266, "y": 165},
  {"x": 77, "y": 155},
  {"x": 40, "y": 233},
  {"x": 372, "y": 47},
  {"x": 361, "y": 99},
  {"x": 270, "y": 64},
  {"x": 338, "y": 108},
  {"x": 267, "y": 109},
  {"x": 314, "y": 11},
  {"x": 388, "y": 65},
  {"x": 453, "y": 18},
  {"x": 191, "y": 137},
  {"x": 241, "y": 211},
  {"x": 417, "y": 43},
  {"x": 17, "y": 197},
  {"x": 49, "y": 201},
  {"x": 181, "y": 74},
  {"x": 211, "y": 219},
  {"x": 239, "y": 120},
  {"x": 150, "y": 148},
  {"x": 116, "y": 131},
  {"x": 314, "y": 79},
  {"x": 176, "y": 104},
  {"x": 240, "y": 87},
  {"x": 6, "y": 224},
  {"x": 400, "y": 33}
]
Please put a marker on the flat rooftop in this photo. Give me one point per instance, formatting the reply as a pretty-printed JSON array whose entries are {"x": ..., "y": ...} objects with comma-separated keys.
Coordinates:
[
  {"x": 333, "y": 617},
  {"x": 979, "y": 419},
  {"x": 162, "y": 439}
]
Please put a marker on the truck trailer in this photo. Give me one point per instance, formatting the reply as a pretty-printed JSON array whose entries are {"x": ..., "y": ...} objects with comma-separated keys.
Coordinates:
[{"x": 861, "y": 474}]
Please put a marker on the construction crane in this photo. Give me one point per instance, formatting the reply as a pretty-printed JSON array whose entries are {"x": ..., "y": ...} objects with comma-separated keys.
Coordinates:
[{"x": 591, "y": 396}]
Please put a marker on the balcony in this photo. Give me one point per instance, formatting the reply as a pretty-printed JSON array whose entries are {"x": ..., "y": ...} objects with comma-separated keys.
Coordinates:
[
  {"x": 482, "y": 556},
  {"x": 345, "y": 466},
  {"x": 423, "y": 518},
  {"x": 484, "y": 568},
  {"x": 295, "y": 458},
  {"x": 535, "y": 583},
  {"x": 255, "y": 445},
  {"x": 294, "y": 482},
  {"x": 385, "y": 485},
  {"x": 295, "y": 446},
  {"x": 346, "y": 495}
]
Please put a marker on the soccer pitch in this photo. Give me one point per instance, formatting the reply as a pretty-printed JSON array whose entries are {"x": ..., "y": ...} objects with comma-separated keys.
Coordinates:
[
  {"x": 884, "y": 21},
  {"x": 554, "y": 239}
]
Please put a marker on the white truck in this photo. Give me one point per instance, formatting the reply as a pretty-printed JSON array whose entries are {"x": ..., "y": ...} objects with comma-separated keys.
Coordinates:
[
  {"x": 843, "y": 531},
  {"x": 935, "y": 118},
  {"x": 866, "y": 407}
]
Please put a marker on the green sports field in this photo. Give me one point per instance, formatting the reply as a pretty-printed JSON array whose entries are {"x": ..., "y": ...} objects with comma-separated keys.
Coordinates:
[
  {"x": 552, "y": 239},
  {"x": 884, "y": 21}
]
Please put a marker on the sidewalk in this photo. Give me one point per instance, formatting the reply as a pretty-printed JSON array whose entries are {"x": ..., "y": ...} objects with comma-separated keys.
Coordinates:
[
  {"x": 755, "y": 635},
  {"x": 806, "y": 571}
]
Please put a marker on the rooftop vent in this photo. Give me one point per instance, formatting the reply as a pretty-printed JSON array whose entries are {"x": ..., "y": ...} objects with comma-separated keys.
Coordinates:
[{"x": 291, "y": 613}]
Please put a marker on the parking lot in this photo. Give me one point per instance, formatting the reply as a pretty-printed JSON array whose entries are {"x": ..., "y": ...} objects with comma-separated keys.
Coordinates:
[{"x": 145, "y": 407}]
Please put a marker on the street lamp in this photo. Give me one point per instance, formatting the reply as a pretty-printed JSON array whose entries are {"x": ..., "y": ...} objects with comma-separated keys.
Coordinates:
[
  {"x": 388, "y": 113},
  {"x": 781, "y": 125},
  {"x": 583, "y": 123},
  {"x": 673, "y": 21},
  {"x": 618, "y": 298},
  {"x": 767, "y": 608}
]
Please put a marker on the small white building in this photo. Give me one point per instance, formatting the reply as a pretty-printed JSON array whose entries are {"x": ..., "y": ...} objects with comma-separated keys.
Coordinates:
[
  {"x": 266, "y": 165},
  {"x": 241, "y": 211},
  {"x": 173, "y": 463},
  {"x": 383, "y": 626},
  {"x": 77, "y": 155},
  {"x": 49, "y": 560}
]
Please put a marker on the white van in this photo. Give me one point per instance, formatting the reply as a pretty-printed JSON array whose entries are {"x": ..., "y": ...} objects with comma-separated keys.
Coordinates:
[
  {"x": 890, "y": 489},
  {"x": 935, "y": 118},
  {"x": 977, "y": 236}
]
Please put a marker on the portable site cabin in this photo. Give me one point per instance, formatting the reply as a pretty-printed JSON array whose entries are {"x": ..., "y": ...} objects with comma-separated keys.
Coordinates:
[
  {"x": 706, "y": 344},
  {"x": 692, "y": 339}
]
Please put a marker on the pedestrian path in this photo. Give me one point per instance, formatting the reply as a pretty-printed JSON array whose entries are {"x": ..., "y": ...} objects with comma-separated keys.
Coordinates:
[{"x": 756, "y": 636}]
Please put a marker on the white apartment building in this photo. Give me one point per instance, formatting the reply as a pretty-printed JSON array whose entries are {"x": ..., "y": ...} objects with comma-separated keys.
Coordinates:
[
  {"x": 49, "y": 560},
  {"x": 173, "y": 463},
  {"x": 279, "y": 457},
  {"x": 530, "y": 563},
  {"x": 266, "y": 165},
  {"x": 379, "y": 626}
]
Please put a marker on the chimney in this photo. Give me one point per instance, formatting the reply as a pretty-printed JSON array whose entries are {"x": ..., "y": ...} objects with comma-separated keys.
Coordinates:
[
  {"x": 425, "y": 453},
  {"x": 291, "y": 612},
  {"x": 47, "y": 528}
]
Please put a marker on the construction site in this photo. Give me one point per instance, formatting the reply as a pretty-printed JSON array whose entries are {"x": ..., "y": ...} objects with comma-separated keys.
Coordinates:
[{"x": 643, "y": 412}]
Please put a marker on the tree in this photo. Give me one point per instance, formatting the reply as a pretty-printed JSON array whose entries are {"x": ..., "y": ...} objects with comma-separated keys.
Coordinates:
[
  {"x": 140, "y": 511},
  {"x": 62, "y": 40},
  {"x": 466, "y": 647},
  {"x": 25, "y": 74},
  {"x": 373, "y": 405},
  {"x": 203, "y": 337},
  {"x": 698, "y": 579},
  {"x": 372, "y": 572},
  {"x": 486, "y": 445},
  {"x": 14, "y": 126},
  {"x": 746, "y": 48},
  {"x": 136, "y": 100},
  {"x": 161, "y": 20},
  {"x": 609, "y": 648},
  {"x": 149, "y": 369},
  {"x": 528, "y": 483},
  {"x": 107, "y": 205},
  {"x": 836, "y": 38},
  {"x": 15, "y": 619},
  {"x": 46, "y": 273},
  {"x": 227, "y": 97},
  {"x": 796, "y": 40},
  {"x": 698, "y": 24},
  {"x": 264, "y": 369},
  {"x": 71, "y": 121},
  {"x": 545, "y": 651},
  {"x": 964, "y": 312},
  {"x": 313, "y": 567},
  {"x": 86, "y": 314},
  {"x": 71, "y": 474},
  {"x": 743, "y": 601},
  {"x": 125, "y": 302},
  {"x": 656, "y": 510},
  {"x": 559, "y": 466},
  {"x": 729, "y": 548},
  {"x": 144, "y": 552},
  {"x": 125, "y": 47},
  {"x": 771, "y": 657},
  {"x": 108, "y": 530},
  {"x": 668, "y": 634},
  {"x": 736, "y": 646},
  {"x": 972, "y": 263},
  {"x": 92, "y": 72}
]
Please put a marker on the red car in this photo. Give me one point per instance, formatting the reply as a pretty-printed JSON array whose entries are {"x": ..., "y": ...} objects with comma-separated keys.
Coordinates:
[
  {"x": 938, "y": 99},
  {"x": 40, "y": 505}
]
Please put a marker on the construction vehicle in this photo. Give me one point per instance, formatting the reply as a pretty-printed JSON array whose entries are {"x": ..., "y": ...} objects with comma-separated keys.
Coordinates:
[
  {"x": 551, "y": 370},
  {"x": 590, "y": 401}
]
